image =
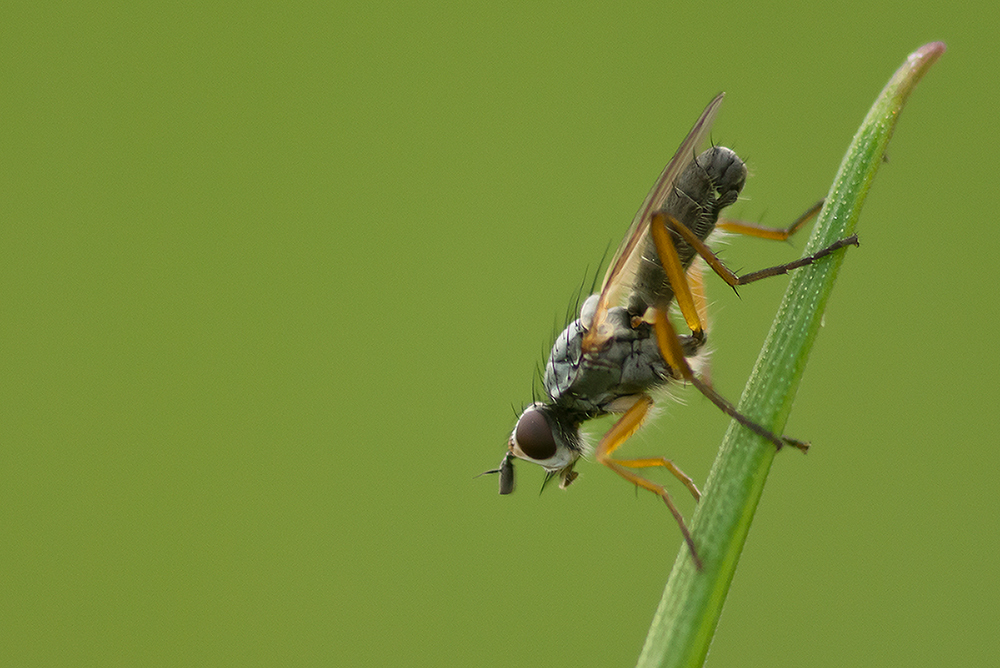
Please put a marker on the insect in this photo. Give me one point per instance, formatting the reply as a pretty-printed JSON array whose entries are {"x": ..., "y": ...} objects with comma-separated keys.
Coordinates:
[{"x": 623, "y": 347}]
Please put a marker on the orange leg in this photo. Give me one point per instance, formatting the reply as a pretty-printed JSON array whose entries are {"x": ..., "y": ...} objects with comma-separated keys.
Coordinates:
[
  {"x": 619, "y": 433},
  {"x": 670, "y": 348},
  {"x": 661, "y": 219},
  {"x": 666, "y": 336},
  {"x": 696, "y": 280},
  {"x": 675, "y": 271},
  {"x": 775, "y": 233}
]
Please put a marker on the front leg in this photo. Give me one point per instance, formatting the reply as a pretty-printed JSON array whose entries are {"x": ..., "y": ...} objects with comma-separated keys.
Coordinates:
[{"x": 627, "y": 425}]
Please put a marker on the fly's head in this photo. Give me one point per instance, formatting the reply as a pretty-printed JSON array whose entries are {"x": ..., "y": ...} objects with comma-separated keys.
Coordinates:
[{"x": 545, "y": 436}]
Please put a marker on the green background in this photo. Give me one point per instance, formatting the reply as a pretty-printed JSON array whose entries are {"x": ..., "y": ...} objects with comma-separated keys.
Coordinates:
[{"x": 274, "y": 275}]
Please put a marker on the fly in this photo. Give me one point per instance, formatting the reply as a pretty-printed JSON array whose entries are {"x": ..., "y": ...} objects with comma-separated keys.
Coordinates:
[{"x": 623, "y": 347}]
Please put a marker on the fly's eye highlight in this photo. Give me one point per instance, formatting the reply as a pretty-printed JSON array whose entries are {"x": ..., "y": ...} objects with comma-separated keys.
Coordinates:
[{"x": 534, "y": 435}]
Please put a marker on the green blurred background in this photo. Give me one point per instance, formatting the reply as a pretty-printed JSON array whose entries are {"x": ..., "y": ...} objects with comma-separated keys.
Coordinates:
[{"x": 274, "y": 277}]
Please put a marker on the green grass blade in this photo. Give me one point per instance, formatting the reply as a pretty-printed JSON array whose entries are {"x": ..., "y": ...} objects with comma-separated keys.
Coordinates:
[{"x": 688, "y": 613}]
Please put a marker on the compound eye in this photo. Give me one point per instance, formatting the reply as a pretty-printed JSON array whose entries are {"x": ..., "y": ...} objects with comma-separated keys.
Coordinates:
[{"x": 534, "y": 435}]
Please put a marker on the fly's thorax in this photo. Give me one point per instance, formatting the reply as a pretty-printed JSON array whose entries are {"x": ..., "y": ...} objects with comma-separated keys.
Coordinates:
[
  {"x": 567, "y": 365},
  {"x": 628, "y": 362},
  {"x": 564, "y": 360}
]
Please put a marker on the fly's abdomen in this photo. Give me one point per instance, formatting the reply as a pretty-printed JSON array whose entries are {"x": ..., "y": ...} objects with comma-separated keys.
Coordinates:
[{"x": 710, "y": 183}]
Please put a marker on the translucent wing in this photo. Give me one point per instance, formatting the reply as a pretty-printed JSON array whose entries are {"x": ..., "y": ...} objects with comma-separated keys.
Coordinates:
[{"x": 626, "y": 259}]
